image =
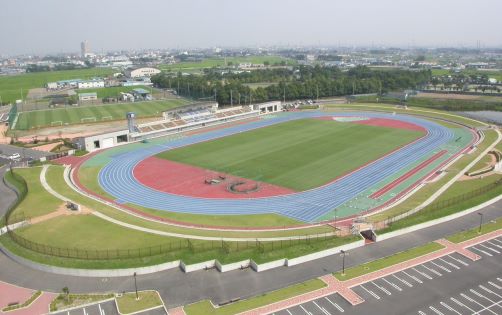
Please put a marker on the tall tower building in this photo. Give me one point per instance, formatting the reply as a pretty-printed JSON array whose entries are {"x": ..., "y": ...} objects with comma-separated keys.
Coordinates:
[{"x": 84, "y": 48}]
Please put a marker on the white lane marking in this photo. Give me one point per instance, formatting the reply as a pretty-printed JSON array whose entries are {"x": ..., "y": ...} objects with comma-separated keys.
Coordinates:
[
  {"x": 489, "y": 248},
  {"x": 306, "y": 312},
  {"x": 413, "y": 277},
  {"x": 381, "y": 288},
  {"x": 435, "y": 310},
  {"x": 403, "y": 281},
  {"x": 496, "y": 245},
  {"x": 495, "y": 285},
  {"x": 432, "y": 270},
  {"x": 395, "y": 286},
  {"x": 474, "y": 301},
  {"x": 321, "y": 308},
  {"x": 459, "y": 260},
  {"x": 423, "y": 274},
  {"x": 482, "y": 251},
  {"x": 450, "y": 263},
  {"x": 335, "y": 305},
  {"x": 441, "y": 267},
  {"x": 371, "y": 292},
  {"x": 448, "y": 307},
  {"x": 490, "y": 291}
]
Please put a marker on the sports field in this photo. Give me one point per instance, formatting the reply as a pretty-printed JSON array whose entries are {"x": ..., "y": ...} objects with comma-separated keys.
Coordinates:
[
  {"x": 89, "y": 114},
  {"x": 299, "y": 155},
  {"x": 16, "y": 87}
]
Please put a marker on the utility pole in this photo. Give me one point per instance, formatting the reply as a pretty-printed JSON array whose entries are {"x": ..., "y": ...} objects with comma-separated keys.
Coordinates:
[
  {"x": 343, "y": 254},
  {"x": 480, "y": 221},
  {"x": 284, "y": 94},
  {"x": 136, "y": 287},
  {"x": 231, "y": 99},
  {"x": 317, "y": 88}
]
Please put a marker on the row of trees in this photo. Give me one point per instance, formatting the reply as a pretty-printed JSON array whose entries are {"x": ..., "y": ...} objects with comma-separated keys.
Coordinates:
[{"x": 289, "y": 84}]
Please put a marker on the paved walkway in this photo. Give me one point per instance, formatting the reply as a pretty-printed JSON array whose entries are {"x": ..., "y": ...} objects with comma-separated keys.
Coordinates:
[{"x": 343, "y": 288}]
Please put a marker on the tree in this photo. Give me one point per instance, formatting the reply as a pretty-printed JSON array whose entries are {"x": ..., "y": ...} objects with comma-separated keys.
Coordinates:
[{"x": 66, "y": 292}]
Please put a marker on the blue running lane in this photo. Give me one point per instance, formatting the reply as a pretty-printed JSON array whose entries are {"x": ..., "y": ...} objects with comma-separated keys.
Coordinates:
[{"x": 117, "y": 179}]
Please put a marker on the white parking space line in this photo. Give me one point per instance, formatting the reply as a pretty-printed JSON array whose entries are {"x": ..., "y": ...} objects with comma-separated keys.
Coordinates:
[
  {"x": 459, "y": 260},
  {"x": 490, "y": 291},
  {"x": 440, "y": 266},
  {"x": 497, "y": 240},
  {"x": 83, "y": 310},
  {"x": 289, "y": 312},
  {"x": 476, "y": 302},
  {"x": 421, "y": 313},
  {"x": 306, "y": 312},
  {"x": 482, "y": 251},
  {"x": 499, "y": 279},
  {"x": 101, "y": 311},
  {"x": 371, "y": 292},
  {"x": 450, "y": 263},
  {"x": 335, "y": 305},
  {"x": 495, "y": 285},
  {"x": 403, "y": 281},
  {"x": 381, "y": 288},
  {"x": 435, "y": 310},
  {"x": 395, "y": 286},
  {"x": 432, "y": 270},
  {"x": 423, "y": 274},
  {"x": 462, "y": 304},
  {"x": 413, "y": 277},
  {"x": 493, "y": 244},
  {"x": 484, "y": 297},
  {"x": 448, "y": 307},
  {"x": 321, "y": 308},
  {"x": 489, "y": 248}
]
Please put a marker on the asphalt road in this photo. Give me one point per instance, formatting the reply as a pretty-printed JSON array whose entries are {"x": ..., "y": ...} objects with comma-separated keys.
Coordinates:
[
  {"x": 178, "y": 288},
  {"x": 449, "y": 285},
  {"x": 7, "y": 149},
  {"x": 7, "y": 196}
]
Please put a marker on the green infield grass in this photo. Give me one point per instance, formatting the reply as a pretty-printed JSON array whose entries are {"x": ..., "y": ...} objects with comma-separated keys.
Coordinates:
[
  {"x": 300, "y": 154},
  {"x": 90, "y": 114}
]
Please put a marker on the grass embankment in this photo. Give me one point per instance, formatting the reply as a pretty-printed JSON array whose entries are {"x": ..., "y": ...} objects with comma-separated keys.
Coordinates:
[
  {"x": 388, "y": 261},
  {"x": 474, "y": 232},
  {"x": 38, "y": 201},
  {"x": 127, "y": 303},
  {"x": 63, "y": 301},
  {"x": 206, "y": 308},
  {"x": 100, "y": 113},
  {"x": 301, "y": 154}
]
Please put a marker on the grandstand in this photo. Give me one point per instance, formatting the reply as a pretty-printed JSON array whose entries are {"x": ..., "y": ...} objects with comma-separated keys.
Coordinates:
[{"x": 192, "y": 116}]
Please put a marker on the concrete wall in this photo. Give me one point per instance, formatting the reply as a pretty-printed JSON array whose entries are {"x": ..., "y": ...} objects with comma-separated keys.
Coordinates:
[
  {"x": 233, "y": 266},
  {"x": 324, "y": 253},
  {"x": 199, "y": 266},
  {"x": 268, "y": 265}
]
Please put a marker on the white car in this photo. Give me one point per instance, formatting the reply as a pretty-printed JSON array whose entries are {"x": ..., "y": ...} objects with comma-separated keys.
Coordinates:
[{"x": 15, "y": 156}]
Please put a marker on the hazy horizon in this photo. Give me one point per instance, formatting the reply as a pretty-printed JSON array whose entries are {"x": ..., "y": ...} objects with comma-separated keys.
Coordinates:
[{"x": 54, "y": 26}]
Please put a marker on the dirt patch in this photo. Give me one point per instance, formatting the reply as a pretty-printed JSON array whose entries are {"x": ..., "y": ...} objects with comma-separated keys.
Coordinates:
[{"x": 62, "y": 210}]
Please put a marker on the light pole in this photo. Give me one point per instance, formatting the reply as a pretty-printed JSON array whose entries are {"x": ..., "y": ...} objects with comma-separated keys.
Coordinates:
[
  {"x": 136, "y": 287},
  {"x": 334, "y": 223},
  {"x": 343, "y": 254},
  {"x": 480, "y": 221}
]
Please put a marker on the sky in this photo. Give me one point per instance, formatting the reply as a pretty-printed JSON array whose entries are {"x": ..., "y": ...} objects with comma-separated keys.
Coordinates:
[{"x": 53, "y": 26}]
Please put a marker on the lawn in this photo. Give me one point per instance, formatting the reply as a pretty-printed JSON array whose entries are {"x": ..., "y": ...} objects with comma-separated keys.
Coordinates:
[
  {"x": 38, "y": 201},
  {"x": 472, "y": 233},
  {"x": 16, "y": 87},
  {"x": 73, "y": 115},
  {"x": 206, "y": 308},
  {"x": 300, "y": 154},
  {"x": 128, "y": 304}
]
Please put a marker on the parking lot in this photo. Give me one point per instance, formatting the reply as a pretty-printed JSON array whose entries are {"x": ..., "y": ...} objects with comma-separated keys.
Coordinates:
[
  {"x": 451, "y": 284},
  {"x": 7, "y": 150},
  {"x": 106, "y": 308}
]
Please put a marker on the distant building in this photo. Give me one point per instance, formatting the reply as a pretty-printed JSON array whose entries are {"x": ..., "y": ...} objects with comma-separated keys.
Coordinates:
[
  {"x": 141, "y": 72},
  {"x": 141, "y": 94},
  {"x": 84, "y": 48},
  {"x": 90, "y": 84},
  {"x": 87, "y": 96}
]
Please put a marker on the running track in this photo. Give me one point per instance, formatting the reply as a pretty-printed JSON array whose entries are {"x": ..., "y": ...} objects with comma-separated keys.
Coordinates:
[{"x": 117, "y": 178}]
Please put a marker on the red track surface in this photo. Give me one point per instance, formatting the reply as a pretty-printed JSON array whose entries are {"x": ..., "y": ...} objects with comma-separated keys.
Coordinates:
[
  {"x": 186, "y": 180},
  {"x": 401, "y": 179}
]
